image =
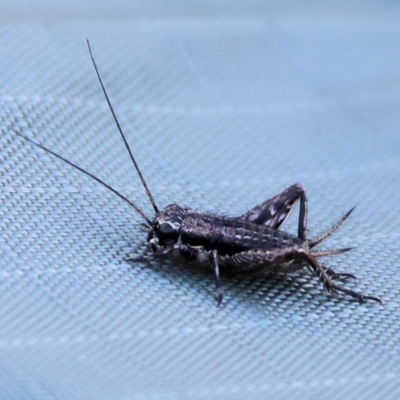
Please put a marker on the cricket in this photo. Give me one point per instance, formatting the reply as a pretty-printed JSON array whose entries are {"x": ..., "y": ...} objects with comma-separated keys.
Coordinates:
[{"x": 250, "y": 244}]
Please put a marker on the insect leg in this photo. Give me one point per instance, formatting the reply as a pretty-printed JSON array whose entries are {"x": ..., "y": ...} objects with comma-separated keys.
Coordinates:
[
  {"x": 328, "y": 283},
  {"x": 187, "y": 252},
  {"x": 339, "y": 276},
  {"x": 213, "y": 258},
  {"x": 336, "y": 276},
  {"x": 256, "y": 261},
  {"x": 273, "y": 212},
  {"x": 327, "y": 277},
  {"x": 291, "y": 267},
  {"x": 259, "y": 261},
  {"x": 158, "y": 254}
]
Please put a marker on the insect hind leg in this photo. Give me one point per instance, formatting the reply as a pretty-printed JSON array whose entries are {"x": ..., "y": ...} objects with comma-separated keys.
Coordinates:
[
  {"x": 336, "y": 276},
  {"x": 274, "y": 212},
  {"x": 339, "y": 276},
  {"x": 260, "y": 261},
  {"x": 327, "y": 279}
]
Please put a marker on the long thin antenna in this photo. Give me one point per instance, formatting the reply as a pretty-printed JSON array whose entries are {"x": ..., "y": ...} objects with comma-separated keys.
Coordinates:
[
  {"x": 138, "y": 210},
  {"x": 150, "y": 196}
]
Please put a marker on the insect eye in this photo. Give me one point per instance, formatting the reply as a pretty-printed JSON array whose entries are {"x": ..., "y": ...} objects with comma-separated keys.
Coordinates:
[{"x": 166, "y": 229}]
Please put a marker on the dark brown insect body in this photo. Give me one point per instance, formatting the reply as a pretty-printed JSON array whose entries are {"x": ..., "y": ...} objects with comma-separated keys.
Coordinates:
[
  {"x": 230, "y": 236},
  {"x": 240, "y": 246},
  {"x": 249, "y": 244}
]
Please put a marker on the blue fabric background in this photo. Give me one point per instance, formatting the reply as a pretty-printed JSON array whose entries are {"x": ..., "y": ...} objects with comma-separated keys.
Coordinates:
[{"x": 224, "y": 104}]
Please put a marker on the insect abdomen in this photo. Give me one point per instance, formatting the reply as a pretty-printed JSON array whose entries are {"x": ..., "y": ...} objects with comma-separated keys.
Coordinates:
[{"x": 232, "y": 235}]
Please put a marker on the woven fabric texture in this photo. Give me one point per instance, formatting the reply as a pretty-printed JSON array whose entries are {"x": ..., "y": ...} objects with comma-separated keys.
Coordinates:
[{"x": 223, "y": 106}]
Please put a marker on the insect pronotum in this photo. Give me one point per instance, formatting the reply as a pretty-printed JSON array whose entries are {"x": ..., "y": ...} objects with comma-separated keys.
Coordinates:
[{"x": 249, "y": 244}]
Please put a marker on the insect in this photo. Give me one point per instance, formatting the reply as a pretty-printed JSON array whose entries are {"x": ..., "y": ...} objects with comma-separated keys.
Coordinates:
[{"x": 249, "y": 244}]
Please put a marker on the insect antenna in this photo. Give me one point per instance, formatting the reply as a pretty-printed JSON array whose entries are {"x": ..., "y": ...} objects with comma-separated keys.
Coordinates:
[
  {"x": 138, "y": 210},
  {"x": 150, "y": 196}
]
